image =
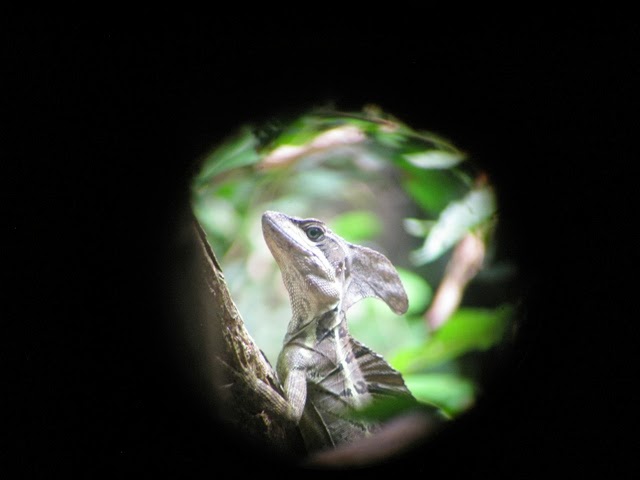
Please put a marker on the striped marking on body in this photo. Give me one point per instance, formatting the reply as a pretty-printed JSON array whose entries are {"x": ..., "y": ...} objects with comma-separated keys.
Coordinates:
[{"x": 355, "y": 389}]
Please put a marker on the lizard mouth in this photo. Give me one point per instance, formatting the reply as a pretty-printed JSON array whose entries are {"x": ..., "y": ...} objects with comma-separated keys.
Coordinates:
[{"x": 279, "y": 233}]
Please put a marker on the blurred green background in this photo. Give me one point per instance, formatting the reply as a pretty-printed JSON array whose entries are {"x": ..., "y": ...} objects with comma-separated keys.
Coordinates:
[{"x": 377, "y": 182}]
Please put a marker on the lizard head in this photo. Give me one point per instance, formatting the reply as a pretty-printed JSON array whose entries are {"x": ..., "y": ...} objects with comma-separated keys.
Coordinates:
[
  {"x": 322, "y": 271},
  {"x": 308, "y": 256}
]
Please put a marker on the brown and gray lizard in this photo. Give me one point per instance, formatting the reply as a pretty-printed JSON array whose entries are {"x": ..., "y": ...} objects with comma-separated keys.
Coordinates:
[{"x": 326, "y": 374}]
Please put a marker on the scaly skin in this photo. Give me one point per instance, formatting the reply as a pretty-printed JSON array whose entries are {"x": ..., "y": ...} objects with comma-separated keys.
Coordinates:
[{"x": 327, "y": 374}]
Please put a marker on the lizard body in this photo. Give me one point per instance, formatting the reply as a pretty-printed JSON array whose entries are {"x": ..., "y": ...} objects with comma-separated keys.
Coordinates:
[{"x": 326, "y": 374}]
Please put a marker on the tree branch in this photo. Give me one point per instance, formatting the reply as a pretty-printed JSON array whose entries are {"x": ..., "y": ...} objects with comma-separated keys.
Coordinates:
[{"x": 250, "y": 398}]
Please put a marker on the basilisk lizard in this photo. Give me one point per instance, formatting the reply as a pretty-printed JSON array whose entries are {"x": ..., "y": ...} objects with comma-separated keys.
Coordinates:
[{"x": 326, "y": 374}]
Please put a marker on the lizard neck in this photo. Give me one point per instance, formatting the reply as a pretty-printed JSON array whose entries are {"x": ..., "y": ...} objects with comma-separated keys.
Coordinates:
[{"x": 311, "y": 328}]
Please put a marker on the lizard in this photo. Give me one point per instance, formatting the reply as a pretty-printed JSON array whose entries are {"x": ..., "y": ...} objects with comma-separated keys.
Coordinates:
[{"x": 325, "y": 373}]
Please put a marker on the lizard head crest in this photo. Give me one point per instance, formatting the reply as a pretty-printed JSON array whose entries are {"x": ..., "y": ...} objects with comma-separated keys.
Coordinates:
[{"x": 325, "y": 271}]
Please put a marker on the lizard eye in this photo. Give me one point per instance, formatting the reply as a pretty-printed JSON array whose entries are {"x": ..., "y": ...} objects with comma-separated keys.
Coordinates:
[{"x": 314, "y": 233}]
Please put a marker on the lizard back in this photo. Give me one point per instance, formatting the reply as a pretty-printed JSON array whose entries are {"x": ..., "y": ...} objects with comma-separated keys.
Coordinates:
[{"x": 343, "y": 375}]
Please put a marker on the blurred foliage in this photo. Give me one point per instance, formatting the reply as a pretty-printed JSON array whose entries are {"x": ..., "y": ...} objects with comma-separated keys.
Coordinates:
[
  {"x": 357, "y": 226},
  {"x": 409, "y": 194},
  {"x": 468, "y": 329},
  {"x": 454, "y": 221},
  {"x": 452, "y": 393}
]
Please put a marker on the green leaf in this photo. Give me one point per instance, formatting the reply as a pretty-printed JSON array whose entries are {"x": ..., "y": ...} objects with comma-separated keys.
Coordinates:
[
  {"x": 418, "y": 291},
  {"x": 300, "y": 132},
  {"x": 393, "y": 139},
  {"x": 382, "y": 409},
  {"x": 308, "y": 127},
  {"x": 454, "y": 222},
  {"x": 432, "y": 190},
  {"x": 238, "y": 151},
  {"x": 468, "y": 329},
  {"x": 418, "y": 228},
  {"x": 452, "y": 393},
  {"x": 434, "y": 159},
  {"x": 357, "y": 226}
]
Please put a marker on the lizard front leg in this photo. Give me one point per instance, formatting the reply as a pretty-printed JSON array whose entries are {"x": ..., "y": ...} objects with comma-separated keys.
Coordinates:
[
  {"x": 293, "y": 363},
  {"x": 292, "y": 367}
]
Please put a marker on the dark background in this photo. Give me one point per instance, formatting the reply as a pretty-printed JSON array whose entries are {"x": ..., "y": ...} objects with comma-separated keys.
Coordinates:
[{"x": 105, "y": 117}]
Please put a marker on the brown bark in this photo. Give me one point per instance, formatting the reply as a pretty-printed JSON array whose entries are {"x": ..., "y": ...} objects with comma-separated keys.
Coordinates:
[{"x": 237, "y": 364}]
